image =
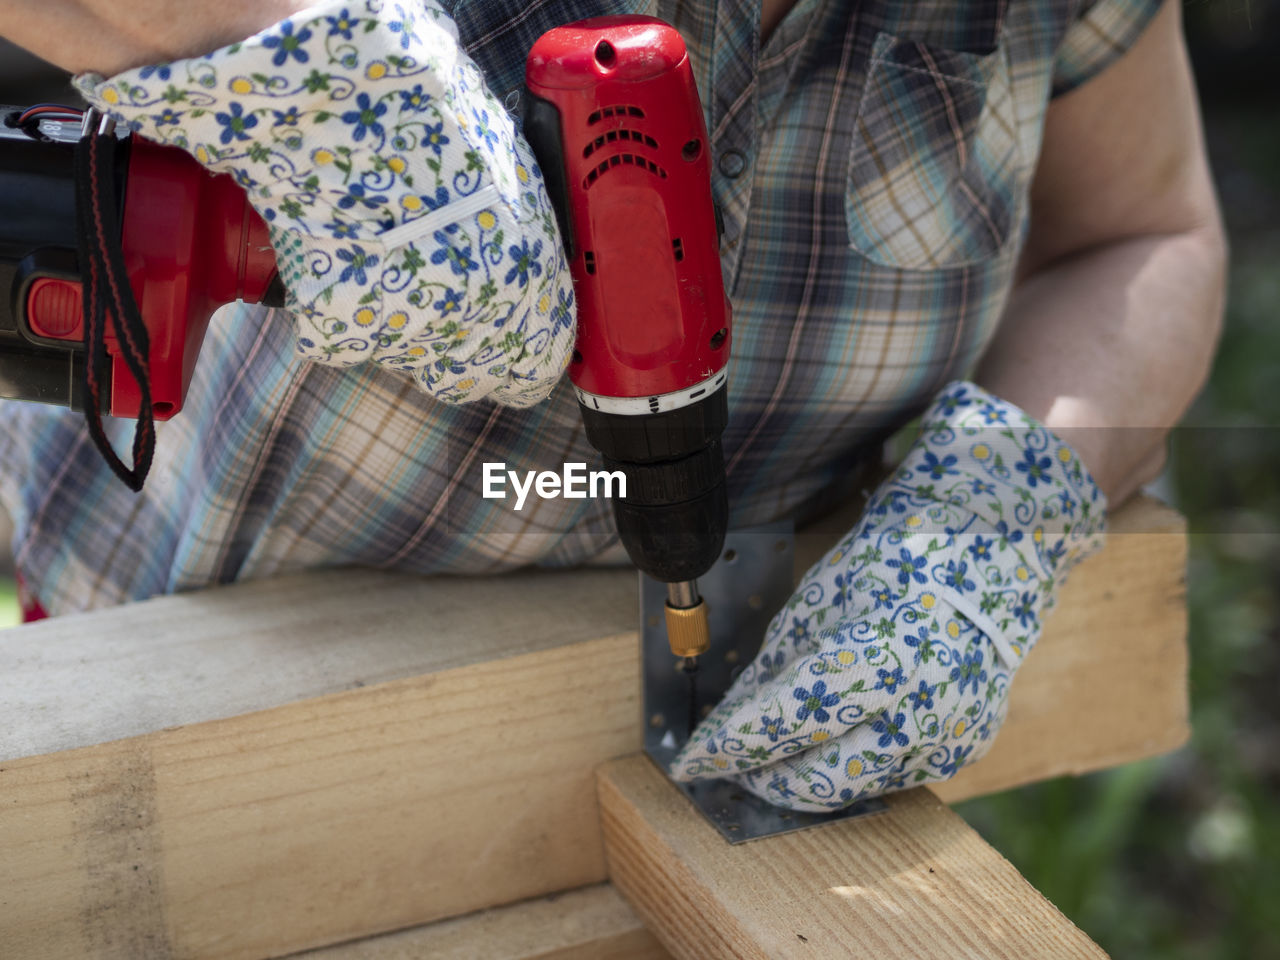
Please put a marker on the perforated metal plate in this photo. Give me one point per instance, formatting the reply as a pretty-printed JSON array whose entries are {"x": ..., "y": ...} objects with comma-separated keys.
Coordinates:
[{"x": 749, "y": 583}]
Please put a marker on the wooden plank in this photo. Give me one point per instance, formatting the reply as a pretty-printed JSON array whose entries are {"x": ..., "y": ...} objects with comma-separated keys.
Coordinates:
[
  {"x": 592, "y": 923},
  {"x": 321, "y": 820},
  {"x": 1074, "y": 705},
  {"x": 186, "y": 659},
  {"x": 914, "y": 882},
  {"x": 314, "y": 759}
]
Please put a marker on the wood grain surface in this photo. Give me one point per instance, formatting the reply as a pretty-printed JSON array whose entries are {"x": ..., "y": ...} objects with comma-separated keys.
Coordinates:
[
  {"x": 592, "y": 923},
  {"x": 914, "y": 883},
  {"x": 263, "y": 768},
  {"x": 1107, "y": 683},
  {"x": 321, "y": 820}
]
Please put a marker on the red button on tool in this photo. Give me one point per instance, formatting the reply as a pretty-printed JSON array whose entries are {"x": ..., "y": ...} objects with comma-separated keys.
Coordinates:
[{"x": 54, "y": 310}]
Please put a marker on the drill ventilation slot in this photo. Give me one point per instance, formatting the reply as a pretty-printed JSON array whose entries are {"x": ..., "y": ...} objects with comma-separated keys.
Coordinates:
[
  {"x": 614, "y": 135},
  {"x": 615, "y": 111},
  {"x": 619, "y": 159}
]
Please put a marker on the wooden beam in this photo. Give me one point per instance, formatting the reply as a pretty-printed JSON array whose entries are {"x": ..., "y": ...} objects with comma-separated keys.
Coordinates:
[
  {"x": 262, "y": 768},
  {"x": 592, "y": 923},
  {"x": 318, "y": 820},
  {"x": 914, "y": 882},
  {"x": 1074, "y": 706},
  {"x": 186, "y": 659}
]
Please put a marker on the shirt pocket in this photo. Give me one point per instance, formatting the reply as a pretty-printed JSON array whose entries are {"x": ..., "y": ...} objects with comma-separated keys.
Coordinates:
[{"x": 935, "y": 170}]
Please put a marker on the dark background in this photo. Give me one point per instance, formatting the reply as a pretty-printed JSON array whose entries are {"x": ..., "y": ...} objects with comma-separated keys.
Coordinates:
[{"x": 1177, "y": 857}]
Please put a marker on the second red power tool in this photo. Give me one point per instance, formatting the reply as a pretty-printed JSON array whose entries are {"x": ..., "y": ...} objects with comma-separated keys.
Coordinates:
[
  {"x": 614, "y": 118},
  {"x": 190, "y": 242}
]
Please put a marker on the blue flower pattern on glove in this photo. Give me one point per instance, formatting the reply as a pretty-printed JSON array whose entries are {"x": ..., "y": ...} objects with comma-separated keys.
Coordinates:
[
  {"x": 367, "y": 122},
  {"x": 890, "y": 665}
]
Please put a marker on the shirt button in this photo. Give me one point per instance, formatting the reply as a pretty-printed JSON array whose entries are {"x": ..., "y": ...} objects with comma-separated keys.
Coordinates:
[{"x": 732, "y": 163}]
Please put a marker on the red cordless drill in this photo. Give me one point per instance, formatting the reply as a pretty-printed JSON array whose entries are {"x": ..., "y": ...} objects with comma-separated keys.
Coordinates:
[
  {"x": 190, "y": 242},
  {"x": 614, "y": 118}
]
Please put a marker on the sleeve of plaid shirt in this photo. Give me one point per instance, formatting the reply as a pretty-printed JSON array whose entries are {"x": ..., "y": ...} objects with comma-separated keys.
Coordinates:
[{"x": 1100, "y": 35}]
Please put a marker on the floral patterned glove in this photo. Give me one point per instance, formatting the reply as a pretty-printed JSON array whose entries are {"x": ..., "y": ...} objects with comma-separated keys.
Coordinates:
[
  {"x": 409, "y": 220},
  {"x": 890, "y": 665}
]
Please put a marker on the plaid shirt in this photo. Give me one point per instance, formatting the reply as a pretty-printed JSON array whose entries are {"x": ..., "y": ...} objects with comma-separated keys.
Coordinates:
[{"x": 872, "y": 161}]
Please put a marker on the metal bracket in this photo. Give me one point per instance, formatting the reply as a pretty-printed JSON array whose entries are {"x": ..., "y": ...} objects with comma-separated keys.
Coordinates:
[{"x": 749, "y": 583}]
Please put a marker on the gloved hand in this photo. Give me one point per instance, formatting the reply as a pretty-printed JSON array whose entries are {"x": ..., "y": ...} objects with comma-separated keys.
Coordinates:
[
  {"x": 890, "y": 665},
  {"x": 410, "y": 222}
]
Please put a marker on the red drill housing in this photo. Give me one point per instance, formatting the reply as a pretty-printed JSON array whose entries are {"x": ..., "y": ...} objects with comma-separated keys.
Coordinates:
[
  {"x": 191, "y": 243},
  {"x": 637, "y": 216}
]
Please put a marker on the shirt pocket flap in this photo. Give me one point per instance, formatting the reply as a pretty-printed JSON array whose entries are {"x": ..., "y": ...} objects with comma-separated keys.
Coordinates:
[{"x": 934, "y": 166}]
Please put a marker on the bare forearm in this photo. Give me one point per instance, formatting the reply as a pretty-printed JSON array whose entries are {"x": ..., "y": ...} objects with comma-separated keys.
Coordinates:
[
  {"x": 107, "y": 36},
  {"x": 1111, "y": 330},
  {"x": 1109, "y": 347}
]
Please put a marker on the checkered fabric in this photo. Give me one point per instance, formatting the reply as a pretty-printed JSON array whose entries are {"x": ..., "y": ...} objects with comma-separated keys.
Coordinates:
[{"x": 872, "y": 161}]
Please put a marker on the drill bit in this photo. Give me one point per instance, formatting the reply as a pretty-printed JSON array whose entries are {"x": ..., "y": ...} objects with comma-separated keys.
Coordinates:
[
  {"x": 689, "y": 635},
  {"x": 690, "y": 668}
]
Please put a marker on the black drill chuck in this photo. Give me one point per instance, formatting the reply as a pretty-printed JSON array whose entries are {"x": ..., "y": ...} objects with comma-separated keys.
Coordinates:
[{"x": 674, "y": 516}]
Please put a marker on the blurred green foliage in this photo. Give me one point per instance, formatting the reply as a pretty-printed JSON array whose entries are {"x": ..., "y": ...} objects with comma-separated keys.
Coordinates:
[
  {"x": 1178, "y": 858},
  {"x": 9, "y": 613}
]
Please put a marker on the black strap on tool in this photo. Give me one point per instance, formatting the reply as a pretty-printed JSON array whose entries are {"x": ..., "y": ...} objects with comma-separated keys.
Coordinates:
[{"x": 107, "y": 297}]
